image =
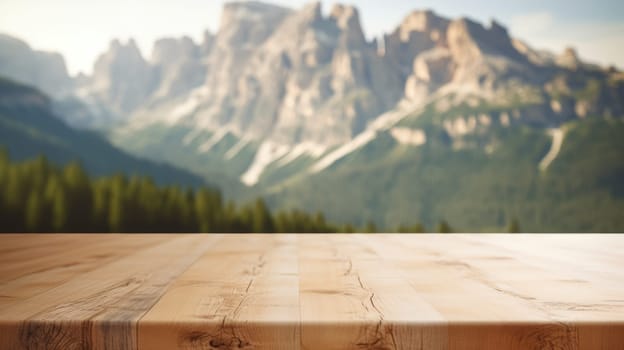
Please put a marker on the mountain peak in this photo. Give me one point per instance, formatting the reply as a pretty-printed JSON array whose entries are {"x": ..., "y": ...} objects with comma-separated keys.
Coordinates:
[
  {"x": 257, "y": 6},
  {"x": 569, "y": 58},
  {"x": 246, "y": 24},
  {"x": 347, "y": 18},
  {"x": 249, "y": 11},
  {"x": 419, "y": 31},
  {"x": 130, "y": 47},
  {"x": 119, "y": 74},
  {"x": 13, "y": 43},
  {"x": 44, "y": 70},
  {"x": 114, "y": 44},
  {"x": 421, "y": 21},
  {"x": 469, "y": 39},
  {"x": 497, "y": 27},
  {"x": 313, "y": 10},
  {"x": 466, "y": 23},
  {"x": 168, "y": 50},
  {"x": 344, "y": 12}
]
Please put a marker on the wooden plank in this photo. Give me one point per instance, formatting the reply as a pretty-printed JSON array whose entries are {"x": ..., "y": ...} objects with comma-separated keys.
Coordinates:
[
  {"x": 82, "y": 254},
  {"x": 351, "y": 299},
  {"x": 241, "y": 294},
  {"x": 99, "y": 309},
  {"x": 19, "y": 242},
  {"x": 22, "y": 260},
  {"x": 456, "y": 292},
  {"x": 469, "y": 272}
]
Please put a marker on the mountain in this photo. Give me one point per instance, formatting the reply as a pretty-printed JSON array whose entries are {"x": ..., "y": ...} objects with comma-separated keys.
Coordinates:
[
  {"x": 479, "y": 182},
  {"x": 43, "y": 70},
  {"x": 47, "y": 72},
  {"x": 302, "y": 85},
  {"x": 295, "y": 96},
  {"x": 420, "y": 124},
  {"x": 29, "y": 128}
]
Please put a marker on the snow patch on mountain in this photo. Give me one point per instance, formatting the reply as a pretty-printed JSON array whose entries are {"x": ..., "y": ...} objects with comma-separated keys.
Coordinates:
[
  {"x": 268, "y": 153},
  {"x": 358, "y": 142},
  {"x": 383, "y": 122},
  {"x": 460, "y": 126},
  {"x": 214, "y": 139},
  {"x": 407, "y": 136},
  {"x": 189, "y": 106},
  {"x": 307, "y": 148},
  {"x": 557, "y": 141},
  {"x": 271, "y": 152}
]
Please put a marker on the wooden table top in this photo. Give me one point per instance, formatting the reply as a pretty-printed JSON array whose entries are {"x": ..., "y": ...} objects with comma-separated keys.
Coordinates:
[{"x": 311, "y": 292}]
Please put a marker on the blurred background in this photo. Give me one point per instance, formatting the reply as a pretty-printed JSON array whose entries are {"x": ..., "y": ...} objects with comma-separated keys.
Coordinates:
[{"x": 296, "y": 116}]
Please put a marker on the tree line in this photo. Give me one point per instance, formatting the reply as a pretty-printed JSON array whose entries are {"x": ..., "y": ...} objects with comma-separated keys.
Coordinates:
[{"x": 37, "y": 196}]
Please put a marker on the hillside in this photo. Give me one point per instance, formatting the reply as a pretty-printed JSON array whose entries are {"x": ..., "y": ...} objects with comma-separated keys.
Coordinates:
[
  {"x": 28, "y": 128},
  {"x": 394, "y": 183}
]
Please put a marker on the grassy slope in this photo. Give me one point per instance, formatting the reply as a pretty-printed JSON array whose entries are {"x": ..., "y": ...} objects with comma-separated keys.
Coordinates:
[
  {"x": 30, "y": 129},
  {"x": 393, "y": 184},
  {"x": 162, "y": 142}
]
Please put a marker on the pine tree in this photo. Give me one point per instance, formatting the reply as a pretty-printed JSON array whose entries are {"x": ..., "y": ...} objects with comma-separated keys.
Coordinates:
[
  {"x": 54, "y": 197},
  {"x": 34, "y": 212},
  {"x": 282, "y": 224},
  {"x": 320, "y": 223},
  {"x": 418, "y": 228},
  {"x": 4, "y": 157},
  {"x": 60, "y": 211},
  {"x": 79, "y": 197},
  {"x": 207, "y": 209},
  {"x": 148, "y": 200},
  {"x": 348, "y": 228},
  {"x": 101, "y": 201},
  {"x": 15, "y": 194},
  {"x": 262, "y": 221},
  {"x": 370, "y": 227},
  {"x": 514, "y": 226},
  {"x": 188, "y": 212},
  {"x": 39, "y": 197},
  {"x": 116, "y": 207},
  {"x": 444, "y": 227}
]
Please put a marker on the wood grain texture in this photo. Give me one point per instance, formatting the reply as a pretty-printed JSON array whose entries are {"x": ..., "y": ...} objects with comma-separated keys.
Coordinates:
[{"x": 312, "y": 292}]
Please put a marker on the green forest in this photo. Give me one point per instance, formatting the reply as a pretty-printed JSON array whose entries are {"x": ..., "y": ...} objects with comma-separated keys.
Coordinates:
[
  {"x": 37, "y": 196},
  {"x": 476, "y": 191}
]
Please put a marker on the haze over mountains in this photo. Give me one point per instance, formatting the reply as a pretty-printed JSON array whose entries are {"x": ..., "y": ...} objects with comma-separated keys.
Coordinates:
[{"x": 414, "y": 126}]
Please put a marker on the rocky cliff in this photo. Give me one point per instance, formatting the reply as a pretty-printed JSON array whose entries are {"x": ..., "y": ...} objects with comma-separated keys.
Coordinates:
[{"x": 278, "y": 88}]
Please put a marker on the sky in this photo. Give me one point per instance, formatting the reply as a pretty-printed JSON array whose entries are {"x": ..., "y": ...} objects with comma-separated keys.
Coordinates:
[{"x": 83, "y": 29}]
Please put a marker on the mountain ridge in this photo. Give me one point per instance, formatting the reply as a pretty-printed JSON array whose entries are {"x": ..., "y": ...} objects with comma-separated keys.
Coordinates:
[
  {"x": 29, "y": 128},
  {"x": 283, "y": 98},
  {"x": 312, "y": 85}
]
